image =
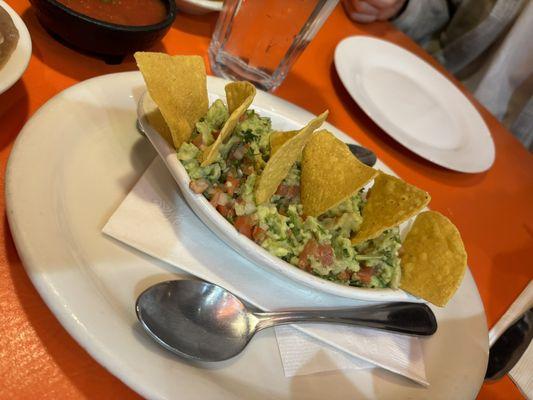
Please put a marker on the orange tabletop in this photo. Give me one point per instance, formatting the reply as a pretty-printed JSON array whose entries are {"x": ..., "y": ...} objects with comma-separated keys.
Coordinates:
[{"x": 493, "y": 210}]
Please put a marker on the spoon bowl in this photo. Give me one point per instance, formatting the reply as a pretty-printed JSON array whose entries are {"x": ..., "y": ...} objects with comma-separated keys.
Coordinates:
[
  {"x": 204, "y": 322},
  {"x": 195, "y": 319}
]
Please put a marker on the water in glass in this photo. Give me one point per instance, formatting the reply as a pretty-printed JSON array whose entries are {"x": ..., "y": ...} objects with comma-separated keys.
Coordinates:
[{"x": 259, "y": 40}]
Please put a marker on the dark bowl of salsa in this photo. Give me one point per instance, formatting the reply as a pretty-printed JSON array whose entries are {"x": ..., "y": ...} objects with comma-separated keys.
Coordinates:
[{"x": 107, "y": 27}]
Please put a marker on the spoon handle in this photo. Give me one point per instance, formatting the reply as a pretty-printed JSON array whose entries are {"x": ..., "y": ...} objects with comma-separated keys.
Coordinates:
[{"x": 401, "y": 317}]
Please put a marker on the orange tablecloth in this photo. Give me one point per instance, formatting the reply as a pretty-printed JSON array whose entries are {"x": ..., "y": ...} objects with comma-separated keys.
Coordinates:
[{"x": 493, "y": 210}]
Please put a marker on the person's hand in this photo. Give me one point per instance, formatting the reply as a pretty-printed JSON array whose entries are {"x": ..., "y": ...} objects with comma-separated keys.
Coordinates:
[{"x": 366, "y": 11}]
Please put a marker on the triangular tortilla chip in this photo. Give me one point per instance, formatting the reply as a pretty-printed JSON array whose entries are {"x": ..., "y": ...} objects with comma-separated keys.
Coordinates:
[
  {"x": 237, "y": 93},
  {"x": 279, "y": 165},
  {"x": 278, "y": 138},
  {"x": 330, "y": 174},
  {"x": 433, "y": 258},
  {"x": 390, "y": 202},
  {"x": 240, "y": 95},
  {"x": 178, "y": 86}
]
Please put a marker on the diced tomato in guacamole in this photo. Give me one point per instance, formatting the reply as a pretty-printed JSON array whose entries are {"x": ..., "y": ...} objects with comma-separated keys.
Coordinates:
[{"x": 320, "y": 246}]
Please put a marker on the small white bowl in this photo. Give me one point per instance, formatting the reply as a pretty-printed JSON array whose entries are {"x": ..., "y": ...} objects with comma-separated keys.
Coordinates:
[
  {"x": 18, "y": 62},
  {"x": 198, "y": 7}
]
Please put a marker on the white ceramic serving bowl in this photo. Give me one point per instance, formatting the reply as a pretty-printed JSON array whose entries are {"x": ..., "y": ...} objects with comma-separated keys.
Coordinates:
[{"x": 285, "y": 116}]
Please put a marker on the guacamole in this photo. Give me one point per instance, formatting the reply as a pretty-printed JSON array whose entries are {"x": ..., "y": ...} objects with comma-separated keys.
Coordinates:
[{"x": 320, "y": 246}]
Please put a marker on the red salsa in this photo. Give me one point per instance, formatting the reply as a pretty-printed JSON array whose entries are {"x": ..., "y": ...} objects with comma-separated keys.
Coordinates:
[{"x": 121, "y": 12}]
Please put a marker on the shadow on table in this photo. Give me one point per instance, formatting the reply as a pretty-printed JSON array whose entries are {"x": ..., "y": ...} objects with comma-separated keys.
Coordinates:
[
  {"x": 84, "y": 373},
  {"x": 296, "y": 89},
  {"x": 507, "y": 270},
  {"x": 69, "y": 61},
  {"x": 197, "y": 25},
  {"x": 14, "y": 111}
]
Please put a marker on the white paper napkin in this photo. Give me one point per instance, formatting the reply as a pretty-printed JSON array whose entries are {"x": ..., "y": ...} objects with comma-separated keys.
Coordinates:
[
  {"x": 522, "y": 372},
  {"x": 303, "y": 355},
  {"x": 155, "y": 219}
]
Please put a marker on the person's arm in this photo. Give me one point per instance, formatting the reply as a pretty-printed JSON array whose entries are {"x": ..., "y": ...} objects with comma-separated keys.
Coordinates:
[
  {"x": 422, "y": 18},
  {"x": 419, "y": 19},
  {"x": 366, "y": 11}
]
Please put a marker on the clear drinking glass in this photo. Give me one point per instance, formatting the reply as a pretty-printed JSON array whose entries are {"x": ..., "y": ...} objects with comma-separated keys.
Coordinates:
[{"x": 259, "y": 40}]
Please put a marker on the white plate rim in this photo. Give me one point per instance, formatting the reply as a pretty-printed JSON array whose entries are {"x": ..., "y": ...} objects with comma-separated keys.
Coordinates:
[
  {"x": 52, "y": 292},
  {"x": 20, "y": 58},
  {"x": 199, "y": 6},
  {"x": 443, "y": 158}
]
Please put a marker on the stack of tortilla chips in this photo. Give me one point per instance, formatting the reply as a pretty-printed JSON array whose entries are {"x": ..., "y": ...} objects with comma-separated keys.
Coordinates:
[{"x": 433, "y": 255}]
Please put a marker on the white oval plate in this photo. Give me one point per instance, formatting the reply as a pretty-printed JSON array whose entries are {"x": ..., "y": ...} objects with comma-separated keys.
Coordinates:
[
  {"x": 18, "y": 62},
  {"x": 414, "y": 104},
  {"x": 284, "y": 116},
  {"x": 72, "y": 164}
]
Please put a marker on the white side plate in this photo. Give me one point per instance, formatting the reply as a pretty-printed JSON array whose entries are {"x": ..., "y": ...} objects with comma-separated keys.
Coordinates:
[
  {"x": 414, "y": 104},
  {"x": 264, "y": 103},
  {"x": 18, "y": 62},
  {"x": 71, "y": 166}
]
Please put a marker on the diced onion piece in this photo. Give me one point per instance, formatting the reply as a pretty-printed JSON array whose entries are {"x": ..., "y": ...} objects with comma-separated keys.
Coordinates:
[
  {"x": 199, "y": 185},
  {"x": 239, "y": 153},
  {"x": 219, "y": 198}
]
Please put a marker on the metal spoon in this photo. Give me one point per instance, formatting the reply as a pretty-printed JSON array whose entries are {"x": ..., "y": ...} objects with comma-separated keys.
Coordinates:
[
  {"x": 364, "y": 155},
  {"x": 510, "y": 346},
  {"x": 204, "y": 322}
]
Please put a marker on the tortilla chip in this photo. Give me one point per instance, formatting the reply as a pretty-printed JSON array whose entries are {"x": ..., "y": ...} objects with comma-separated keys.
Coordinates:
[
  {"x": 390, "y": 202},
  {"x": 330, "y": 174},
  {"x": 178, "y": 86},
  {"x": 235, "y": 92},
  {"x": 279, "y": 164},
  {"x": 433, "y": 258},
  {"x": 278, "y": 138}
]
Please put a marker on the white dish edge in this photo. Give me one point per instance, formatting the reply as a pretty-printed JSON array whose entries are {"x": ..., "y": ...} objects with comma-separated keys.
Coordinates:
[{"x": 246, "y": 247}]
